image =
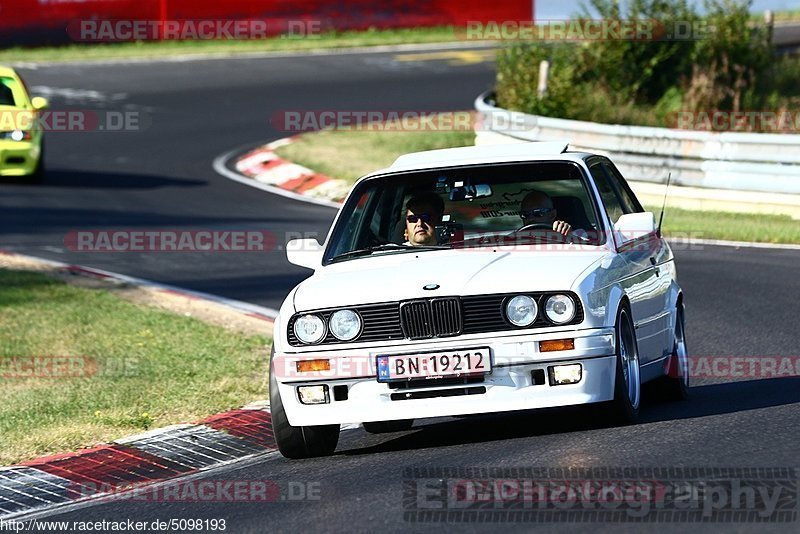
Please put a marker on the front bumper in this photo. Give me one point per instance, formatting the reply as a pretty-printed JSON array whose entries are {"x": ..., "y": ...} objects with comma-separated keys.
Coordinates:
[
  {"x": 18, "y": 158},
  {"x": 510, "y": 386}
]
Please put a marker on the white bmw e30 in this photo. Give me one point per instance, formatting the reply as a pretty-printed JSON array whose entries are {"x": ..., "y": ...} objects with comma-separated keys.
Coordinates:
[{"x": 475, "y": 280}]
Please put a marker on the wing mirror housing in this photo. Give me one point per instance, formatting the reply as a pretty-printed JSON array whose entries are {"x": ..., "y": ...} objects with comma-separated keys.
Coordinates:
[
  {"x": 304, "y": 252},
  {"x": 39, "y": 103},
  {"x": 634, "y": 226}
]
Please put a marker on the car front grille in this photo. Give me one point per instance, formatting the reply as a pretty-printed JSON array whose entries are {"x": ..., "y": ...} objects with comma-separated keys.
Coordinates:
[
  {"x": 422, "y": 319},
  {"x": 436, "y": 317}
]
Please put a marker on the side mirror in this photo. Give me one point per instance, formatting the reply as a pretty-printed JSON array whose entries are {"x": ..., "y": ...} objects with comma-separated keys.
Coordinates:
[
  {"x": 39, "y": 103},
  {"x": 634, "y": 226},
  {"x": 304, "y": 252}
]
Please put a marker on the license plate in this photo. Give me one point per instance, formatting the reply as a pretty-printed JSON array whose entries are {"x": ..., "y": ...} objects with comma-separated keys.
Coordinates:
[{"x": 434, "y": 365}]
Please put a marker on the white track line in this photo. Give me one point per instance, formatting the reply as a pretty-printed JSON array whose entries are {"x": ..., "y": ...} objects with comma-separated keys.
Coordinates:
[{"x": 238, "y": 305}]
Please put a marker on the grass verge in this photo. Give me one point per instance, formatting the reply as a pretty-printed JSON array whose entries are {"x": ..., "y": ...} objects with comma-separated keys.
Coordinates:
[
  {"x": 729, "y": 226},
  {"x": 351, "y": 154},
  {"x": 82, "y": 366},
  {"x": 156, "y": 49}
]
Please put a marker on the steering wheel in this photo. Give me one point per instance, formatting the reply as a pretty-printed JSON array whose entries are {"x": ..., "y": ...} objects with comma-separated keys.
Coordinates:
[
  {"x": 551, "y": 234},
  {"x": 534, "y": 226}
]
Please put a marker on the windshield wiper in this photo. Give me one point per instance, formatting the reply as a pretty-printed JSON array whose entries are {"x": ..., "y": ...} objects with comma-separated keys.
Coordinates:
[{"x": 386, "y": 246}]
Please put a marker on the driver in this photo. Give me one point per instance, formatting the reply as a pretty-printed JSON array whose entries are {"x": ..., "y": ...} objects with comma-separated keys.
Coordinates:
[
  {"x": 423, "y": 212},
  {"x": 537, "y": 207}
]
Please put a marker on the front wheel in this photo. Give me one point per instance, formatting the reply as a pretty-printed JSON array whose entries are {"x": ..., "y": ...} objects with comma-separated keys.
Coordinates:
[
  {"x": 624, "y": 408},
  {"x": 298, "y": 441}
]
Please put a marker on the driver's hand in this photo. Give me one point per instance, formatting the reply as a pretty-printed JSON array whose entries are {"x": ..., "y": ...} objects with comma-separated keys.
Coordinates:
[{"x": 562, "y": 227}]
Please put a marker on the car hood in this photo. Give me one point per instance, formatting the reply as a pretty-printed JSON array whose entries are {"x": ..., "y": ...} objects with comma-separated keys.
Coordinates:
[{"x": 392, "y": 277}]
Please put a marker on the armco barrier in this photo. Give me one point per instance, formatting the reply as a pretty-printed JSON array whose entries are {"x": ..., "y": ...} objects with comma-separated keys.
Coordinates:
[
  {"x": 768, "y": 163},
  {"x": 46, "y": 21}
]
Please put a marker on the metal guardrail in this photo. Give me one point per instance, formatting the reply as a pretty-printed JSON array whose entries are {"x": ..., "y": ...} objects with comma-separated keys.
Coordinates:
[
  {"x": 736, "y": 161},
  {"x": 786, "y": 36}
]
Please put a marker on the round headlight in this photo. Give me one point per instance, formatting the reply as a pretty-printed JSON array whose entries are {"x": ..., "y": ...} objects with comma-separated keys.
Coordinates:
[
  {"x": 521, "y": 310},
  {"x": 309, "y": 329},
  {"x": 560, "y": 309},
  {"x": 345, "y": 324}
]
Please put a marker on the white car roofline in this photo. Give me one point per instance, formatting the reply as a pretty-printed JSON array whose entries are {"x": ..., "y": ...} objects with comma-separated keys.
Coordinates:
[{"x": 575, "y": 157}]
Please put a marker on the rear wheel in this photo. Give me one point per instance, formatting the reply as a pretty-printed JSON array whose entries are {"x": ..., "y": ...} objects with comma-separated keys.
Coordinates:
[
  {"x": 385, "y": 427},
  {"x": 624, "y": 408},
  {"x": 675, "y": 386},
  {"x": 298, "y": 441}
]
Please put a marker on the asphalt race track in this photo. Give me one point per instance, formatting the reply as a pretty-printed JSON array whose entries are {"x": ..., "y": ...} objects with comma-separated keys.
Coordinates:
[
  {"x": 161, "y": 177},
  {"x": 740, "y": 302}
]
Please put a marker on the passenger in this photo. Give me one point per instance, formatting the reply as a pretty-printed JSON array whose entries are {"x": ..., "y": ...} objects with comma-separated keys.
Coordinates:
[{"x": 537, "y": 209}]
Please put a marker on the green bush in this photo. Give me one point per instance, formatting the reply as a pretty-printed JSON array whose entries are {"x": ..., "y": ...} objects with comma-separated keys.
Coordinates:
[{"x": 729, "y": 64}]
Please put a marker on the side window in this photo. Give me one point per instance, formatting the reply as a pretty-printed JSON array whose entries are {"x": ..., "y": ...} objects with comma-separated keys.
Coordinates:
[
  {"x": 6, "y": 94},
  {"x": 347, "y": 237},
  {"x": 629, "y": 200},
  {"x": 607, "y": 194}
]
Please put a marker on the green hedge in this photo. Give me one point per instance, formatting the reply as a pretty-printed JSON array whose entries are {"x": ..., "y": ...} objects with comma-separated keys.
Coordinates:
[{"x": 728, "y": 65}]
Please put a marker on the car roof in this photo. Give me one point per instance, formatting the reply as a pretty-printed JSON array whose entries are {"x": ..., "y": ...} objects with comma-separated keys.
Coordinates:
[
  {"x": 483, "y": 154},
  {"x": 7, "y": 71}
]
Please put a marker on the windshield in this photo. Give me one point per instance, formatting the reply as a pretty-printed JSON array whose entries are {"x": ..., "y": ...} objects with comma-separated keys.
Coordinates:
[{"x": 465, "y": 207}]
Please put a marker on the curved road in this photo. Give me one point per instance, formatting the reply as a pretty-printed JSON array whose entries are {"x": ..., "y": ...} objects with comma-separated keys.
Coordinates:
[{"x": 741, "y": 302}]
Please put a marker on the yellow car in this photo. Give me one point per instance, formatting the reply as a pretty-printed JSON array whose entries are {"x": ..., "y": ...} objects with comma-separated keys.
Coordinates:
[{"x": 21, "y": 149}]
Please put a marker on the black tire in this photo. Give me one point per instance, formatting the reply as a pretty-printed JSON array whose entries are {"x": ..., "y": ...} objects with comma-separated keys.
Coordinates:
[
  {"x": 385, "y": 427},
  {"x": 675, "y": 386},
  {"x": 624, "y": 409},
  {"x": 298, "y": 442}
]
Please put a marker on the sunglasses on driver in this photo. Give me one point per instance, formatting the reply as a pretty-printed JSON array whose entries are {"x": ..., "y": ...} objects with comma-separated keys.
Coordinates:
[
  {"x": 427, "y": 218},
  {"x": 537, "y": 212}
]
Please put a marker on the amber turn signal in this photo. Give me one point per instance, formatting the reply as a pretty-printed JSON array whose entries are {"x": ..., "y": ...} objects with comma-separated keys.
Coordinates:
[
  {"x": 556, "y": 344},
  {"x": 309, "y": 366}
]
